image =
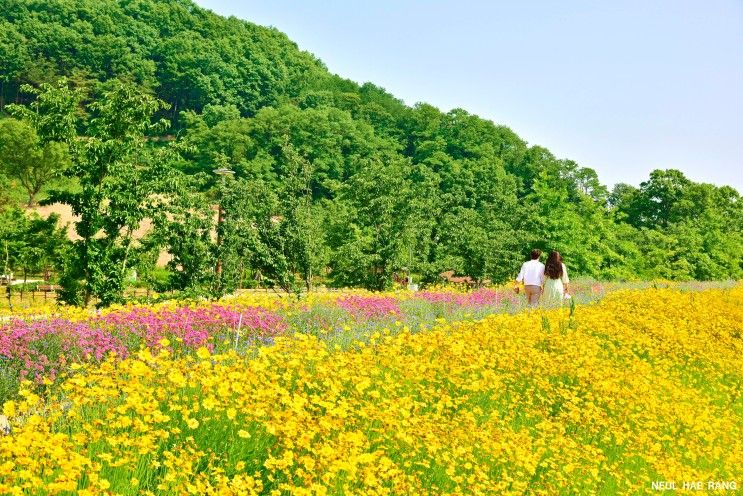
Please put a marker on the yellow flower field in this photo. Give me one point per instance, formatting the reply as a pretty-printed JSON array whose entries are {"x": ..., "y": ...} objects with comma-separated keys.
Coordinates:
[{"x": 644, "y": 386}]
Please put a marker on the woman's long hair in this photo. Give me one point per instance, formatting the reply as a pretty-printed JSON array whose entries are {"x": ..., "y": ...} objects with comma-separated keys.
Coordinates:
[{"x": 553, "y": 267}]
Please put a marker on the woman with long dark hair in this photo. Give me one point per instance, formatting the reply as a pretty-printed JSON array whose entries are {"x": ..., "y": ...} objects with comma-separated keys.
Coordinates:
[{"x": 555, "y": 279}]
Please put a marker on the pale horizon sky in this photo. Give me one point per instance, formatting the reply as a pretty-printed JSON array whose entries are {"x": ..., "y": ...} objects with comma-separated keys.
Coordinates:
[{"x": 621, "y": 87}]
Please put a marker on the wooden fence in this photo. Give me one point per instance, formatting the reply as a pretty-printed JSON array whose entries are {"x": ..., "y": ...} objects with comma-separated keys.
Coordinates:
[{"x": 48, "y": 294}]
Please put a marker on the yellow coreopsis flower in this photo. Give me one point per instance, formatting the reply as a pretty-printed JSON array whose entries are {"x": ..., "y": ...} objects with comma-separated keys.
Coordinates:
[{"x": 9, "y": 408}]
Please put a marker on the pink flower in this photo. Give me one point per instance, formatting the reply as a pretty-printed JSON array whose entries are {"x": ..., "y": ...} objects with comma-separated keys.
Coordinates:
[{"x": 369, "y": 307}]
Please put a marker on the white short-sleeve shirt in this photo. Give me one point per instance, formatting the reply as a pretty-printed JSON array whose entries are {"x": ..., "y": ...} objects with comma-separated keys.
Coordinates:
[{"x": 532, "y": 273}]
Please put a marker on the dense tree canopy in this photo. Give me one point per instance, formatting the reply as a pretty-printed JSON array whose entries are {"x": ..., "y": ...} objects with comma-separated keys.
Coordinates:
[{"x": 332, "y": 178}]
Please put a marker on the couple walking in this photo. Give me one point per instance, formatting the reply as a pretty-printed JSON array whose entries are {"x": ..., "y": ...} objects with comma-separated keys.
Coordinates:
[{"x": 550, "y": 279}]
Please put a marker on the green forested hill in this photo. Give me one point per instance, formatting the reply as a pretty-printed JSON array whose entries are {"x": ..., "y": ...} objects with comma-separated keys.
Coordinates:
[
  {"x": 358, "y": 185},
  {"x": 189, "y": 56}
]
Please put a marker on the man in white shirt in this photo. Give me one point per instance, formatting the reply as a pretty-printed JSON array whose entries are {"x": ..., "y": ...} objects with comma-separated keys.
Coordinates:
[{"x": 532, "y": 275}]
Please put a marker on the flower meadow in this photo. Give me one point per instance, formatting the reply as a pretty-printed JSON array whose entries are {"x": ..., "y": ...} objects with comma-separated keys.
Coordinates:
[
  {"x": 438, "y": 392},
  {"x": 40, "y": 348}
]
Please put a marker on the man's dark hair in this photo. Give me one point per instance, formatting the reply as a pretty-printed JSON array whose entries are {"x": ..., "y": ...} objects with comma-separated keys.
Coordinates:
[{"x": 536, "y": 253}]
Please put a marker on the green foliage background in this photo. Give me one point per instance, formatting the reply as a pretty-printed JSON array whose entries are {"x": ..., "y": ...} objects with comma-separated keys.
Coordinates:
[{"x": 333, "y": 179}]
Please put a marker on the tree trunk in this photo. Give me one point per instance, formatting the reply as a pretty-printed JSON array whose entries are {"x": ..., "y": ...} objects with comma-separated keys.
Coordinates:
[
  {"x": 308, "y": 280},
  {"x": 86, "y": 271}
]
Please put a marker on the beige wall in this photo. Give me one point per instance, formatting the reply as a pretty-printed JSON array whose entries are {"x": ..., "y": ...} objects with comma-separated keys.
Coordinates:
[{"x": 67, "y": 218}]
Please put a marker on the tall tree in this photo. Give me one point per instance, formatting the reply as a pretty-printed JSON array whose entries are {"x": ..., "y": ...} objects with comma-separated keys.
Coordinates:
[
  {"x": 120, "y": 181},
  {"x": 370, "y": 222},
  {"x": 30, "y": 243},
  {"x": 24, "y": 157}
]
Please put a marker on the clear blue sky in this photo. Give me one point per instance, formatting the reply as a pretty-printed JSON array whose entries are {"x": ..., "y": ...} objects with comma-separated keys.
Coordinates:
[{"x": 623, "y": 87}]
